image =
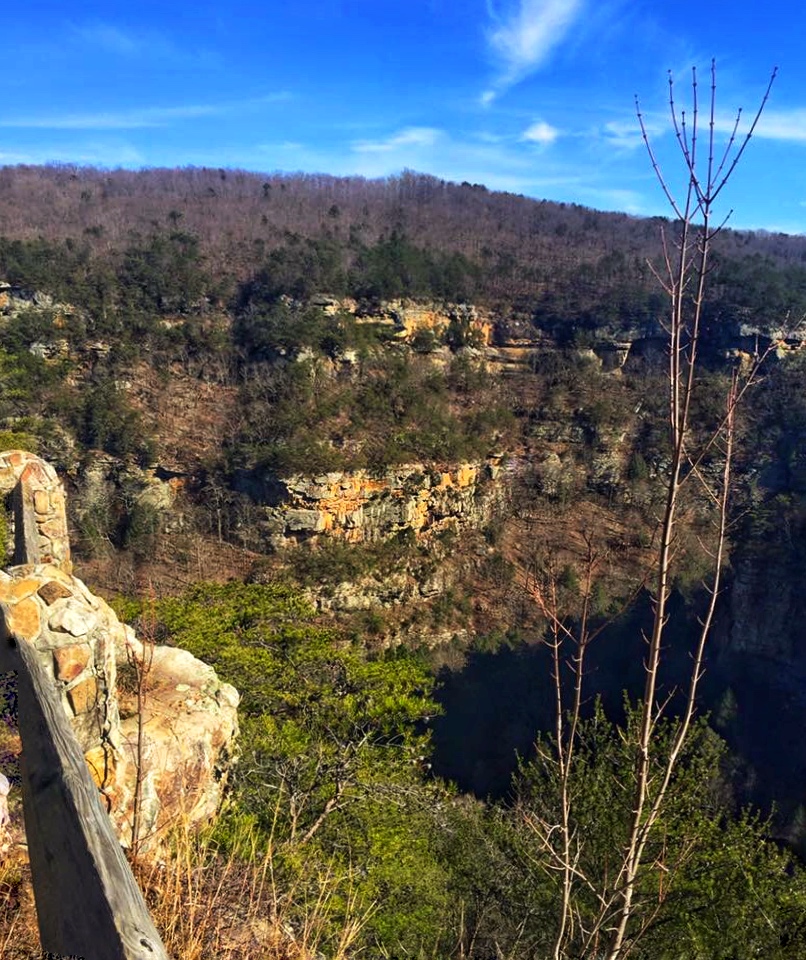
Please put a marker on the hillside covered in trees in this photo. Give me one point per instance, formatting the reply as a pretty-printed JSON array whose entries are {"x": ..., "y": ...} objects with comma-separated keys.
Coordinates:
[
  {"x": 340, "y": 235},
  {"x": 339, "y": 437}
]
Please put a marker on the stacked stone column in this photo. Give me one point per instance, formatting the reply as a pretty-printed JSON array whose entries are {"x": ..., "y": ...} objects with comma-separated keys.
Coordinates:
[
  {"x": 38, "y": 510},
  {"x": 189, "y": 718}
]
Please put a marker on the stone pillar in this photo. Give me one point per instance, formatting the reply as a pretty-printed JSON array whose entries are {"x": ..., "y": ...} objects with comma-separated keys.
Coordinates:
[
  {"x": 39, "y": 514},
  {"x": 189, "y": 717}
]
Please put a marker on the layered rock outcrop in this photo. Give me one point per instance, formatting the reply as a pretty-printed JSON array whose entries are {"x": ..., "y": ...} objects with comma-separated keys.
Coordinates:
[
  {"x": 407, "y": 318},
  {"x": 15, "y": 299},
  {"x": 153, "y": 722},
  {"x": 362, "y": 507}
]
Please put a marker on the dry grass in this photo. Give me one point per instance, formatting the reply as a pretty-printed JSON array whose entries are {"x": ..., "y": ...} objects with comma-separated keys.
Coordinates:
[
  {"x": 231, "y": 907},
  {"x": 206, "y": 905},
  {"x": 19, "y": 937}
]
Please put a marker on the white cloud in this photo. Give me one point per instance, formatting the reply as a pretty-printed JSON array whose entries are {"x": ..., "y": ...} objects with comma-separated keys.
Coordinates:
[
  {"x": 107, "y": 37},
  {"x": 501, "y": 163},
  {"x": 409, "y": 137},
  {"x": 9, "y": 157},
  {"x": 119, "y": 154},
  {"x": 525, "y": 37},
  {"x": 625, "y": 200},
  {"x": 102, "y": 38},
  {"x": 122, "y": 120},
  {"x": 540, "y": 132},
  {"x": 789, "y": 125},
  {"x": 485, "y": 136},
  {"x": 138, "y": 118},
  {"x": 626, "y": 134}
]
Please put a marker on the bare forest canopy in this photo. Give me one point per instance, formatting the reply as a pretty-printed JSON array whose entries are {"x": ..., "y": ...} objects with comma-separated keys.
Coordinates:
[
  {"x": 65, "y": 228},
  {"x": 208, "y": 279}
]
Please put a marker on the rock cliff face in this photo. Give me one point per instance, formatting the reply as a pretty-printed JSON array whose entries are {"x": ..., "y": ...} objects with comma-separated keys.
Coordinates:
[
  {"x": 360, "y": 507},
  {"x": 176, "y": 739},
  {"x": 407, "y": 317},
  {"x": 16, "y": 299}
]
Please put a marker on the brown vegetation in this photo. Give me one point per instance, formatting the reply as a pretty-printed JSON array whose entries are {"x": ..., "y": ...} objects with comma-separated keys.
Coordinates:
[{"x": 240, "y": 217}]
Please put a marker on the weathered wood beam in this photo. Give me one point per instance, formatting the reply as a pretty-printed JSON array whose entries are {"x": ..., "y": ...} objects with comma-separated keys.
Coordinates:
[
  {"x": 87, "y": 901},
  {"x": 26, "y": 535}
]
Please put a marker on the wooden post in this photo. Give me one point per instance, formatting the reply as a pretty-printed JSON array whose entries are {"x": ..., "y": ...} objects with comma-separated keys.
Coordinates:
[
  {"x": 88, "y": 903},
  {"x": 26, "y": 535}
]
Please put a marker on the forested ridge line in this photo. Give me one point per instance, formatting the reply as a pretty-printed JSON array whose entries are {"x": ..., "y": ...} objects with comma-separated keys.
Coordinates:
[{"x": 518, "y": 244}]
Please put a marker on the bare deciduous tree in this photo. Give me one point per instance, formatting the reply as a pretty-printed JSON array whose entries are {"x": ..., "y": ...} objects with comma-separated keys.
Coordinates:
[{"x": 621, "y": 915}]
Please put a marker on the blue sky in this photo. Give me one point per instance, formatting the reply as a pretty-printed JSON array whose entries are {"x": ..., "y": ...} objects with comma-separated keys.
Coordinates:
[{"x": 530, "y": 96}]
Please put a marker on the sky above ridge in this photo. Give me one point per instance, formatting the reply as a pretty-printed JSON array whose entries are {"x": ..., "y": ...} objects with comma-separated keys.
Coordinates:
[{"x": 530, "y": 96}]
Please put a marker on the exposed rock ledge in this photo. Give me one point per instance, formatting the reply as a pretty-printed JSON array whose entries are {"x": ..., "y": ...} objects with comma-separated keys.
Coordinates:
[{"x": 360, "y": 506}]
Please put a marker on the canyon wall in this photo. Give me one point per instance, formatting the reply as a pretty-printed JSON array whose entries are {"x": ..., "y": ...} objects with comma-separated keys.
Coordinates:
[{"x": 364, "y": 507}]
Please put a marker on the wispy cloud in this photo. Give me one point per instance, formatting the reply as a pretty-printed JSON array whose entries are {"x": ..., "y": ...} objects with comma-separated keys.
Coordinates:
[
  {"x": 123, "y": 120},
  {"x": 104, "y": 154},
  {"x": 523, "y": 38},
  {"x": 626, "y": 134},
  {"x": 540, "y": 132},
  {"x": 117, "y": 154},
  {"x": 18, "y": 156},
  {"x": 135, "y": 119},
  {"x": 106, "y": 36},
  {"x": 789, "y": 125},
  {"x": 507, "y": 163},
  {"x": 103, "y": 37},
  {"x": 629, "y": 201},
  {"x": 409, "y": 137}
]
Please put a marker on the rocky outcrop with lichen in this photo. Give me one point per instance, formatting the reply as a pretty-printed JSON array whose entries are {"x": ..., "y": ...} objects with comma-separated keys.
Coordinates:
[
  {"x": 406, "y": 317},
  {"x": 364, "y": 507},
  {"x": 156, "y": 726}
]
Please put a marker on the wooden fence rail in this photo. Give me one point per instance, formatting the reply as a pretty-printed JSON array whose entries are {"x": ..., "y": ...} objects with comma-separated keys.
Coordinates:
[{"x": 88, "y": 903}]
